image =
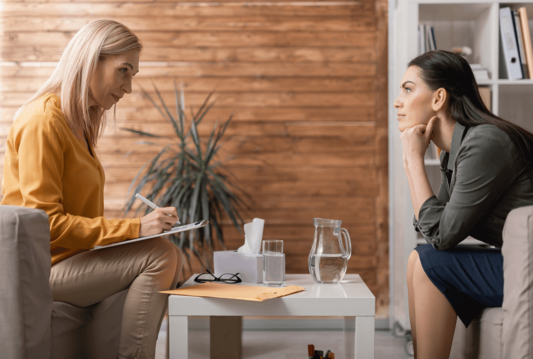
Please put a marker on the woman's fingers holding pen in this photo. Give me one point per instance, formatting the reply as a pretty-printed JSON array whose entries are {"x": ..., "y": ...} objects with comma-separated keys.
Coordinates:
[
  {"x": 170, "y": 212},
  {"x": 157, "y": 221},
  {"x": 167, "y": 216}
]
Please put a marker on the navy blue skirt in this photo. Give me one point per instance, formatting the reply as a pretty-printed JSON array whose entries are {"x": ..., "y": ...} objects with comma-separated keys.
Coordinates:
[{"x": 470, "y": 278}]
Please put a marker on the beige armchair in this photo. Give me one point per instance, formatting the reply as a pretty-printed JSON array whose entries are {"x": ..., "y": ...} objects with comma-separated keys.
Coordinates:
[
  {"x": 32, "y": 325},
  {"x": 507, "y": 332}
]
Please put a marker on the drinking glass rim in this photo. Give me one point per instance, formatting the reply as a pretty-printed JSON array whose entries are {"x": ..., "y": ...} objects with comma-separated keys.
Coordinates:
[{"x": 274, "y": 243}]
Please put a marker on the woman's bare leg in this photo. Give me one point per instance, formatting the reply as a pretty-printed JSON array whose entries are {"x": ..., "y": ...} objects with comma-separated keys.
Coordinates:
[
  {"x": 413, "y": 258},
  {"x": 435, "y": 318}
]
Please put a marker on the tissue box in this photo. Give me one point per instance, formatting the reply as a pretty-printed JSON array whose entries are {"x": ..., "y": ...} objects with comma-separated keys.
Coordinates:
[{"x": 249, "y": 266}]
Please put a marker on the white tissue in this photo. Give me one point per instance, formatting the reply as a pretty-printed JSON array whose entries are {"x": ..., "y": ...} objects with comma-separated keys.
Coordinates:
[{"x": 253, "y": 235}]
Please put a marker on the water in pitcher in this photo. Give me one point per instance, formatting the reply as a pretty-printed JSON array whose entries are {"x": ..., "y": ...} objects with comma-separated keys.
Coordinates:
[{"x": 327, "y": 268}]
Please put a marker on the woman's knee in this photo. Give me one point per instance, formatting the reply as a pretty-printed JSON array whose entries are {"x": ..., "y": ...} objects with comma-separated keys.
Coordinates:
[{"x": 164, "y": 253}]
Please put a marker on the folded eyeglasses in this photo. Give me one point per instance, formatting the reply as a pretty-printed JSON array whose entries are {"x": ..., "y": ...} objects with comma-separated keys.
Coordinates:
[{"x": 225, "y": 278}]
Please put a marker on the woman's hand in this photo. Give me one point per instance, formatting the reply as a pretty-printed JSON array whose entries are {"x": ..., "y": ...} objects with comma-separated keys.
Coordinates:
[
  {"x": 157, "y": 221},
  {"x": 415, "y": 141}
]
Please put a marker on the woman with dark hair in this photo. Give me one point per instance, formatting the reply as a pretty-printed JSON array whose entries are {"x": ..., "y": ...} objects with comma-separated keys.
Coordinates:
[{"x": 486, "y": 172}]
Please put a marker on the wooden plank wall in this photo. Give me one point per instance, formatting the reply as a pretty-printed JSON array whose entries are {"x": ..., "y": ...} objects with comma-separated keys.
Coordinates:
[{"x": 307, "y": 82}]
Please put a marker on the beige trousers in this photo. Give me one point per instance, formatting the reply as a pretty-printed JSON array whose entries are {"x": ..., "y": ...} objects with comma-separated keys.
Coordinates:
[{"x": 144, "y": 267}]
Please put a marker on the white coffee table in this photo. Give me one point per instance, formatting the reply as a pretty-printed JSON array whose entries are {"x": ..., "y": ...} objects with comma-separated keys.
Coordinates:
[{"x": 350, "y": 299}]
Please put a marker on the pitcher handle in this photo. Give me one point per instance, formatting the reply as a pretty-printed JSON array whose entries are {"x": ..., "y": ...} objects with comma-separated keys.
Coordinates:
[{"x": 348, "y": 241}]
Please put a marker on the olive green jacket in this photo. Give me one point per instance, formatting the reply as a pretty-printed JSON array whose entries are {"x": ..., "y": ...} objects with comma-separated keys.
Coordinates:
[{"x": 482, "y": 180}]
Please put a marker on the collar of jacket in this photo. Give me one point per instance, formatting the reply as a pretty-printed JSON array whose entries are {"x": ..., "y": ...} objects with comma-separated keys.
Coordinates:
[{"x": 457, "y": 138}]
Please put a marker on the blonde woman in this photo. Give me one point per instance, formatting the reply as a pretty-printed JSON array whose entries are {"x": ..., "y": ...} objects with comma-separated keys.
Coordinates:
[{"x": 50, "y": 164}]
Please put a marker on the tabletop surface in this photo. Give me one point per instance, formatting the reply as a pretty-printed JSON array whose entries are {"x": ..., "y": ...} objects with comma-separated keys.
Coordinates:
[
  {"x": 350, "y": 297},
  {"x": 352, "y": 286}
]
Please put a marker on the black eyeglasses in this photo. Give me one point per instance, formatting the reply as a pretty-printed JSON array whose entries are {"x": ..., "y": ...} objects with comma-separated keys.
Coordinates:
[{"x": 225, "y": 278}]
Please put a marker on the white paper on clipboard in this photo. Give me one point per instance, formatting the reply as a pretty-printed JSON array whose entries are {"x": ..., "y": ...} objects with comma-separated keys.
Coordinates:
[{"x": 179, "y": 229}]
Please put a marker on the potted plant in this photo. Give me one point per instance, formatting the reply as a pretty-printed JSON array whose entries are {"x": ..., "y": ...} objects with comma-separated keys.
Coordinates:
[{"x": 186, "y": 174}]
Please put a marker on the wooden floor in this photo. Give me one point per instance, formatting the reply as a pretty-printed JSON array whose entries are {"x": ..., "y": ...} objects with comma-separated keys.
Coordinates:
[{"x": 293, "y": 344}]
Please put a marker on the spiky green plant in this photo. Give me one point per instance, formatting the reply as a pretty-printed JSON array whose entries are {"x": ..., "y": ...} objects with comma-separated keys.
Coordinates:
[{"x": 186, "y": 174}]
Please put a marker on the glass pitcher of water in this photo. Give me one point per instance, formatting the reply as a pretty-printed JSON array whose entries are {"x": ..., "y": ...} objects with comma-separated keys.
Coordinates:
[{"x": 332, "y": 247}]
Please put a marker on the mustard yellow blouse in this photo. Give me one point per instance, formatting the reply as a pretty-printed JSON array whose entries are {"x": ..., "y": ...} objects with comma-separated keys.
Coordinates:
[{"x": 48, "y": 168}]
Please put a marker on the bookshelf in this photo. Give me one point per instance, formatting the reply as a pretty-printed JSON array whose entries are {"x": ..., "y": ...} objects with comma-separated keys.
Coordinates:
[{"x": 474, "y": 24}]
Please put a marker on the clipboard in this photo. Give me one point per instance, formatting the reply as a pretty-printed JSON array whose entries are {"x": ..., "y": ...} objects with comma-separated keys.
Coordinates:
[{"x": 179, "y": 229}]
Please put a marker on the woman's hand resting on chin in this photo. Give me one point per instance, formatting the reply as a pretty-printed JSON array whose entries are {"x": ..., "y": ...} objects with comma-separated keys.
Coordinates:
[
  {"x": 415, "y": 141},
  {"x": 158, "y": 221}
]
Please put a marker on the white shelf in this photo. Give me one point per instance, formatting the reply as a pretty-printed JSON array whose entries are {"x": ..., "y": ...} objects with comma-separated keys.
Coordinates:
[{"x": 514, "y": 82}]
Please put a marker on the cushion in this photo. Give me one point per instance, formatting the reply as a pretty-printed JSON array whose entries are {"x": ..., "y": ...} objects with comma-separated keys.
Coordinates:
[
  {"x": 517, "y": 250},
  {"x": 88, "y": 333},
  {"x": 25, "y": 296},
  {"x": 482, "y": 338}
]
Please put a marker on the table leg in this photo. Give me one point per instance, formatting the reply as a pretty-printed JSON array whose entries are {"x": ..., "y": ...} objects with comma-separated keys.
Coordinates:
[
  {"x": 225, "y": 337},
  {"x": 360, "y": 345},
  {"x": 178, "y": 327}
]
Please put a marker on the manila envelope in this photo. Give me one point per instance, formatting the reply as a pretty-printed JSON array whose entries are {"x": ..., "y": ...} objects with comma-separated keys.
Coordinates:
[{"x": 232, "y": 291}]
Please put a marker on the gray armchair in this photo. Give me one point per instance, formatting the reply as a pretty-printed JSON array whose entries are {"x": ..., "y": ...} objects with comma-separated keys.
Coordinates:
[
  {"x": 507, "y": 332},
  {"x": 31, "y": 324}
]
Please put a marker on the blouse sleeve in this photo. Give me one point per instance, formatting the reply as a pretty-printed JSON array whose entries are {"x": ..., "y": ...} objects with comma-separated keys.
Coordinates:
[
  {"x": 39, "y": 146},
  {"x": 484, "y": 173}
]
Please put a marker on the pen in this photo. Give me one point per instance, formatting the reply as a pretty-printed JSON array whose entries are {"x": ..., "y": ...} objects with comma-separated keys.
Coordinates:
[{"x": 151, "y": 204}]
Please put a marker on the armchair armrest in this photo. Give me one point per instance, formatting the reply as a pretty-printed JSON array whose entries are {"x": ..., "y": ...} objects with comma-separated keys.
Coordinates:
[
  {"x": 517, "y": 251},
  {"x": 25, "y": 296}
]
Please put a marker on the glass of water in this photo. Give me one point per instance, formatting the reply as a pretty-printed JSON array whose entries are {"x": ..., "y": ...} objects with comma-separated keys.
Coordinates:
[{"x": 273, "y": 263}]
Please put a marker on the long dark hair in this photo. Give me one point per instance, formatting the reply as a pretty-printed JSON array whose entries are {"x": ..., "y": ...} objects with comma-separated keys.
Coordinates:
[{"x": 444, "y": 69}]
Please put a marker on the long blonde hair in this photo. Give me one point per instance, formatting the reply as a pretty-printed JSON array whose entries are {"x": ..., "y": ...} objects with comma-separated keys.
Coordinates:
[{"x": 71, "y": 78}]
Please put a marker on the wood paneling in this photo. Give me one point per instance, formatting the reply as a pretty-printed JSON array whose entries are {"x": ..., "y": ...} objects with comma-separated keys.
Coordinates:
[
  {"x": 170, "y": 24},
  {"x": 236, "y": 54},
  {"x": 356, "y": 10},
  {"x": 239, "y": 99},
  {"x": 217, "y": 39},
  {"x": 246, "y": 115},
  {"x": 306, "y": 81},
  {"x": 381, "y": 138},
  {"x": 204, "y": 85},
  {"x": 225, "y": 70}
]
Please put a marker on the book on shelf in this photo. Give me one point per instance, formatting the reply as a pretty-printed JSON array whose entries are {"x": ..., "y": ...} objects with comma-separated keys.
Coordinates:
[
  {"x": 421, "y": 37},
  {"x": 520, "y": 41},
  {"x": 480, "y": 72},
  {"x": 528, "y": 49},
  {"x": 426, "y": 38},
  {"x": 510, "y": 45},
  {"x": 516, "y": 43}
]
